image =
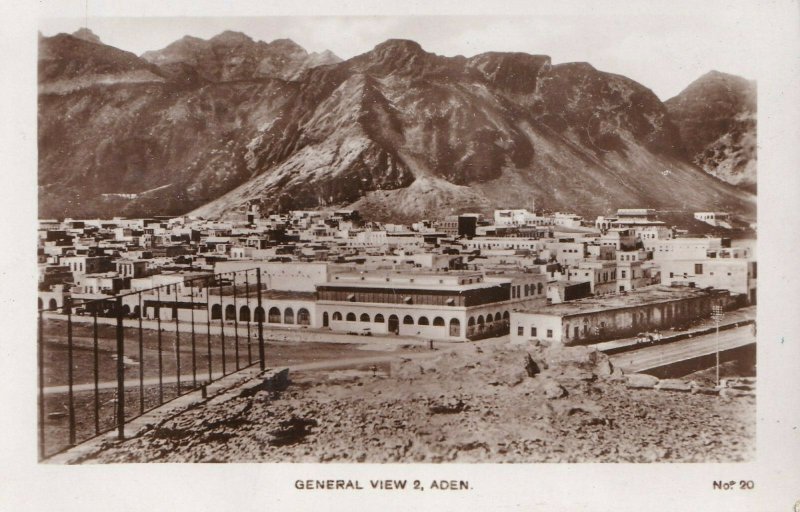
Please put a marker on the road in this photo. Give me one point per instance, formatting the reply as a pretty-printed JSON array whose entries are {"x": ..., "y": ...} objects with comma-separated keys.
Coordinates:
[
  {"x": 310, "y": 366},
  {"x": 653, "y": 357}
]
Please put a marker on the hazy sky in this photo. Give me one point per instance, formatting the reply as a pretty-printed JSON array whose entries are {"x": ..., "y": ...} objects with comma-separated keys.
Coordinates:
[{"x": 664, "y": 50}]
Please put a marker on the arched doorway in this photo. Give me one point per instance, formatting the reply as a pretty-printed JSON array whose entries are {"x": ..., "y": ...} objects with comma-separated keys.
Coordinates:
[
  {"x": 274, "y": 316},
  {"x": 259, "y": 315},
  {"x": 303, "y": 317},
  {"x": 230, "y": 312},
  {"x": 244, "y": 314},
  {"x": 394, "y": 324},
  {"x": 288, "y": 316},
  {"x": 455, "y": 327}
]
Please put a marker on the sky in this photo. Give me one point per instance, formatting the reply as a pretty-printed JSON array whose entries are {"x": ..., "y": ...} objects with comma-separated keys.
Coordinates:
[{"x": 664, "y": 50}]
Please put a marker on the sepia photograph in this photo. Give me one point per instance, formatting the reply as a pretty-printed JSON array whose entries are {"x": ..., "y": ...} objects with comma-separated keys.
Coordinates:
[{"x": 419, "y": 240}]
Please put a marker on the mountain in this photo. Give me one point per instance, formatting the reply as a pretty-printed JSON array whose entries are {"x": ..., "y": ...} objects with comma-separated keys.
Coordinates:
[
  {"x": 716, "y": 117},
  {"x": 233, "y": 56},
  {"x": 72, "y": 62},
  {"x": 397, "y": 132}
]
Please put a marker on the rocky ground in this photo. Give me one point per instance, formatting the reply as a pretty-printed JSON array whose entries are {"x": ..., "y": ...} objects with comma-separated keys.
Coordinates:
[{"x": 489, "y": 402}]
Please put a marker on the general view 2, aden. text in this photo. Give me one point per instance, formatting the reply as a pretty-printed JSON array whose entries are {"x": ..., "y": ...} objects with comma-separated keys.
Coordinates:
[{"x": 252, "y": 253}]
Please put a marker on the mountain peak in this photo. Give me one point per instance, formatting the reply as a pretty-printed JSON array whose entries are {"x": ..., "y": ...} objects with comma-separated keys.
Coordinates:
[
  {"x": 401, "y": 45},
  {"x": 231, "y": 37},
  {"x": 87, "y": 35},
  {"x": 286, "y": 44}
]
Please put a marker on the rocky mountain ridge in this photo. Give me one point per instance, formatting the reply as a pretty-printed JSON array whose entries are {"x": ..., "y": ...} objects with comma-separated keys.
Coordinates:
[
  {"x": 398, "y": 132},
  {"x": 716, "y": 117}
]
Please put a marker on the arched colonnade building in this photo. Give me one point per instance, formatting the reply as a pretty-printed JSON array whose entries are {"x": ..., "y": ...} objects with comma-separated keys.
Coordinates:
[{"x": 446, "y": 306}]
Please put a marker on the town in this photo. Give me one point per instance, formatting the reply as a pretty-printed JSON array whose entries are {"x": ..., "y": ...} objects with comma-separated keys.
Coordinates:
[{"x": 555, "y": 277}]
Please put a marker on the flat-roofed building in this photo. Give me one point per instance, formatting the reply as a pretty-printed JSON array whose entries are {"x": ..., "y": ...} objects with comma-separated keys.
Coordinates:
[
  {"x": 436, "y": 305},
  {"x": 592, "y": 320},
  {"x": 738, "y": 276}
]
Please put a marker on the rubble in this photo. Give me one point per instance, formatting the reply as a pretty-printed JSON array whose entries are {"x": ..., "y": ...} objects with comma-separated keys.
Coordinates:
[{"x": 468, "y": 406}]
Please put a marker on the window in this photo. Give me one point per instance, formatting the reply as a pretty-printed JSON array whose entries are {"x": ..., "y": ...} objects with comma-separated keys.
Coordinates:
[
  {"x": 407, "y": 320},
  {"x": 364, "y": 317},
  {"x": 520, "y": 331},
  {"x": 351, "y": 317},
  {"x": 698, "y": 268},
  {"x": 549, "y": 333},
  {"x": 337, "y": 316},
  {"x": 622, "y": 274},
  {"x": 533, "y": 331}
]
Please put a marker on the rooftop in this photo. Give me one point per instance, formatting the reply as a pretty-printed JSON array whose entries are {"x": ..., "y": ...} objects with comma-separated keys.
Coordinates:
[{"x": 642, "y": 296}]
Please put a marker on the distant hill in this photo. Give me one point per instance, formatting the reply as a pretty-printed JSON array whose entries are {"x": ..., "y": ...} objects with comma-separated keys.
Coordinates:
[
  {"x": 398, "y": 132},
  {"x": 716, "y": 117}
]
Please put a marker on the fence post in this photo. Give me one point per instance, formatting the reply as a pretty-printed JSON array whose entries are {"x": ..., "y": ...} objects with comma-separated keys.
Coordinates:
[
  {"x": 71, "y": 397},
  {"x": 96, "y": 369},
  {"x": 221, "y": 321},
  {"x": 177, "y": 344},
  {"x": 262, "y": 362},
  {"x": 120, "y": 372},
  {"x": 40, "y": 356}
]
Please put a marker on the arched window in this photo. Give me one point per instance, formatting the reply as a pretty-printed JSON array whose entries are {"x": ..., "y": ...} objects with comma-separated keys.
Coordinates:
[
  {"x": 303, "y": 317},
  {"x": 259, "y": 316},
  {"x": 288, "y": 316},
  {"x": 274, "y": 315},
  {"x": 244, "y": 314},
  {"x": 379, "y": 318},
  {"x": 423, "y": 320},
  {"x": 137, "y": 311},
  {"x": 480, "y": 320},
  {"x": 407, "y": 320},
  {"x": 364, "y": 317},
  {"x": 438, "y": 321},
  {"x": 505, "y": 316},
  {"x": 230, "y": 312},
  {"x": 216, "y": 312},
  {"x": 337, "y": 317},
  {"x": 497, "y": 317},
  {"x": 351, "y": 317},
  {"x": 471, "y": 321}
]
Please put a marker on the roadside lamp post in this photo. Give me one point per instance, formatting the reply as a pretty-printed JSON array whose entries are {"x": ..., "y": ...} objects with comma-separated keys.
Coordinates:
[{"x": 716, "y": 314}]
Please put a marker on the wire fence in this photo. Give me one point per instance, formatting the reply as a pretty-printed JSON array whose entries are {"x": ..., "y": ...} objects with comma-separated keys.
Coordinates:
[{"x": 104, "y": 361}]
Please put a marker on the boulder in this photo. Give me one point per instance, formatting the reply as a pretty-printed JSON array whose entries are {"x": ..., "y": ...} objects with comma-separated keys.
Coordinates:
[
  {"x": 553, "y": 390},
  {"x": 641, "y": 381},
  {"x": 675, "y": 385},
  {"x": 531, "y": 367}
]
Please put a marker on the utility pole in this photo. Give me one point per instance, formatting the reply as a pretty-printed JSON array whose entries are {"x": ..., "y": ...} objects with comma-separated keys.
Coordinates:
[{"x": 716, "y": 314}]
